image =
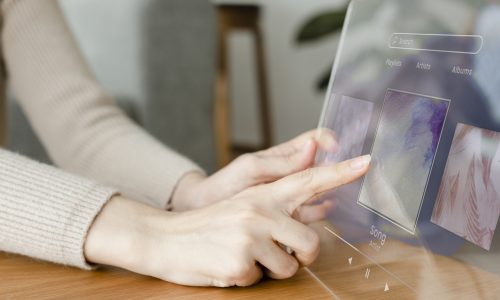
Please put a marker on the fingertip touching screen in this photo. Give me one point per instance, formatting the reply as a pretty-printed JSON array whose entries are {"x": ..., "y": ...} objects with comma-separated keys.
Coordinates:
[{"x": 416, "y": 84}]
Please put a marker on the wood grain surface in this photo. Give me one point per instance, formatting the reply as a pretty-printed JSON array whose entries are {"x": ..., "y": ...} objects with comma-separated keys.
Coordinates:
[
  {"x": 420, "y": 275},
  {"x": 24, "y": 278}
]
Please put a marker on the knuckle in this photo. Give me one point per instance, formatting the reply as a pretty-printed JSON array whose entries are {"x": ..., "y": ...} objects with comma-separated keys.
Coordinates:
[
  {"x": 312, "y": 241},
  {"x": 244, "y": 242},
  {"x": 286, "y": 268},
  {"x": 240, "y": 271},
  {"x": 290, "y": 269},
  {"x": 248, "y": 215},
  {"x": 307, "y": 177},
  {"x": 290, "y": 158},
  {"x": 250, "y": 162},
  {"x": 251, "y": 280},
  {"x": 340, "y": 172},
  {"x": 244, "y": 158},
  {"x": 246, "y": 230},
  {"x": 311, "y": 249},
  {"x": 220, "y": 283}
]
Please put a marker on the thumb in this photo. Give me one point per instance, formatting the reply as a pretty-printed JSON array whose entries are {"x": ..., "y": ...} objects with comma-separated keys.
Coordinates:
[
  {"x": 293, "y": 191},
  {"x": 280, "y": 165}
]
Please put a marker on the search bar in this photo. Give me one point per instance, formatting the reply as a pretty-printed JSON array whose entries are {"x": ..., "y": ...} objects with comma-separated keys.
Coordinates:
[{"x": 463, "y": 44}]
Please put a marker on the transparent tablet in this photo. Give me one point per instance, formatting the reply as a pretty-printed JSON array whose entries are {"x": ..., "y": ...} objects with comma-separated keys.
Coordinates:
[{"x": 416, "y": 84}]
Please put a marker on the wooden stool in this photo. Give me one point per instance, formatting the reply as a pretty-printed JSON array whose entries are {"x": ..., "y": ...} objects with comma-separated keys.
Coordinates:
[
  {"x": 3, "y": 116},
  {"x": 238, "y": 17}
]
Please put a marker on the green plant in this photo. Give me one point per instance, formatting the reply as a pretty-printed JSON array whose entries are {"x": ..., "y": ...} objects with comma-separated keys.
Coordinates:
[{"x": 319, "y": 27}]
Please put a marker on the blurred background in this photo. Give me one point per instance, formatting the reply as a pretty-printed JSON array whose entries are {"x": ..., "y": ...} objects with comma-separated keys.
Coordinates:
[{"x": 212, "y": 79}]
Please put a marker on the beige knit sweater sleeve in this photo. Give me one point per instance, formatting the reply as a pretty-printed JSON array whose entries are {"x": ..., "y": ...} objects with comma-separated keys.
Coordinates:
[
  {"x": 44, "y": 212},
  {"x": 77, "y": 121}
]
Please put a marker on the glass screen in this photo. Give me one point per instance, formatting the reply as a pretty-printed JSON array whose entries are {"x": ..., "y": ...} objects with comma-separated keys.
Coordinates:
[{"x": 416, "y": 84}]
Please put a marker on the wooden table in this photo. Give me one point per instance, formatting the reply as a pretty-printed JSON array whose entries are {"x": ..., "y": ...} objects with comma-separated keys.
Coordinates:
[
  {"x": 431, "y": 277},
  {"x": 24, "y": 278}
]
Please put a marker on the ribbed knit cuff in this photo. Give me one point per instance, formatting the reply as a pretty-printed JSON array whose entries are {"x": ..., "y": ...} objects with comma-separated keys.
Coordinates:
[
  {"x": 46, "y": 213},
  {"x": 84, "y": 214}
]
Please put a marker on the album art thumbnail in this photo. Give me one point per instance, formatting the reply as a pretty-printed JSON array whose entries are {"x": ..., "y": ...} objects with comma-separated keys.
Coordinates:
[
  {"x": 350, "y": 124},
  {"x": 403, "y": 153},
  {"x": 468, "y": 202},
  {"x": 349, "y": 119}
]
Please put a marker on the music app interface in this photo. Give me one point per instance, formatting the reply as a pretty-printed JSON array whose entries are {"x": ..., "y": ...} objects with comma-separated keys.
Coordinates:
[{"x": 416, "y": 89}]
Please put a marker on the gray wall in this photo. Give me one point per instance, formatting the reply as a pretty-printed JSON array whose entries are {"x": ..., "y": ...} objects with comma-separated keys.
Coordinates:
[
  {"x": 160, "y": 54},
  {"x": 179, "y": 47}
]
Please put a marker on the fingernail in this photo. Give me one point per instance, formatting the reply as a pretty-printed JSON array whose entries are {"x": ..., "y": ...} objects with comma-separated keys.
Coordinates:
[{"x": 360, "y": 162}]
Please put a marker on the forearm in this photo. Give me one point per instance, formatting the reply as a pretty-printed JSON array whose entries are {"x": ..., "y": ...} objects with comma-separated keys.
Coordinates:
[{"x": 76, "y": 120}]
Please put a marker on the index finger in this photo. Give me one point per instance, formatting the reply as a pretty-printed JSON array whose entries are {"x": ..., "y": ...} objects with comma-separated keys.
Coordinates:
[
  {"x": 294, "y": 190},
  {"x": 324, "y": 138}
]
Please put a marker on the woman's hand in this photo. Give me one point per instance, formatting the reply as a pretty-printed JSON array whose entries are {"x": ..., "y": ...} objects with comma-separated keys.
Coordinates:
[
  {"x": 229, "y": 243},
  {"x": 196, "y": 190}
]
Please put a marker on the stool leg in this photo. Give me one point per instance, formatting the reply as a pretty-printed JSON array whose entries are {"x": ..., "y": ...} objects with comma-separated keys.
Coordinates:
[
  {"x": 3, "y": 117},
  {"x": 264, "y": 103},
  {"x": 246, "y": 18},
  {"x": 221, "y": 109}
]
